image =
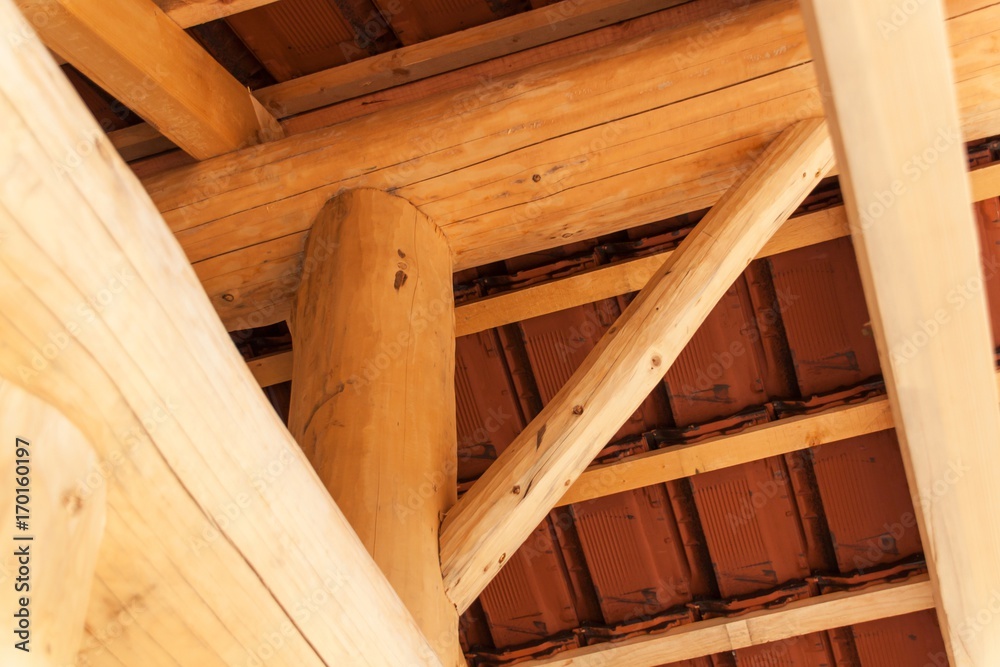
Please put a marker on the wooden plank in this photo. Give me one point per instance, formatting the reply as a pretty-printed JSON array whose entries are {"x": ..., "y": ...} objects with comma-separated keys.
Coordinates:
[
  {"x": 908, "y": 201},
  {"x": 45, "y": 462},
  {"x": 272, "y": 369},
  {"x": 757, "y": 442},
  {"x": 616, "y": 279},
  {"x": 131, "y": 49},
  {"x": 450, "y": 52},
  {"x": 722, "y": 635},
  {"x": 139, "y": 141},
  {"x": 468, "y": 57},
  {"x": 187, "y": 13},
  {"x": 527, "y": 480},
  {"x": 635, "y": 152},
  {"x": 381, "y": 435},
  {"x": 221, "y": 534}
]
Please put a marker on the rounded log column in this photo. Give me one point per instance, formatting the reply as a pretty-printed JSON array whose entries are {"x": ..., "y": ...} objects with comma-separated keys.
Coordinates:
[{"x": 373, "y": 397}]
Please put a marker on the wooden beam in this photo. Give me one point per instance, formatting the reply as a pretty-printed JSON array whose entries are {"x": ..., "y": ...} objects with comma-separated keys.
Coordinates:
[
  {"x": 491, "y": 41},
  {"x": 752, "y": 444},
  {"x": 226, "y": 541},
  {"x": 614, "y": 280},
  {"x": 373, "y": 390},
  {"x": 501, "y": 509},
  {"x": 272, "y": 369},
  {"x": 139, "y": 141},
  {"x": 899, "y": 144},
  {"x": 450, "y": 52},
  {"x": 722, "y": 635},
  {"x": 131, "y": 49},
  {"x": 45, "y": 462},
  {"x": 187, "y": 13},
  {"x": 700, "y": 122}
]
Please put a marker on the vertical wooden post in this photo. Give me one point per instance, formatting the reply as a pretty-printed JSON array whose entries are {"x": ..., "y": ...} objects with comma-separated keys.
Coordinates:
[{"x": 373, "y": 398}]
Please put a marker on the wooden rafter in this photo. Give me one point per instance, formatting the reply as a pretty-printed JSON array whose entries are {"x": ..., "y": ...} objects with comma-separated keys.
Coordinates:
[
  {"x": 131, "y": 49},
  {"x": 722, "y": 635},
  {"x": 218, "y": 530},
  {"x": 500, "y": 510},
  {"x": 545, "y": 172},
  {"x": 899, "y": 143}
]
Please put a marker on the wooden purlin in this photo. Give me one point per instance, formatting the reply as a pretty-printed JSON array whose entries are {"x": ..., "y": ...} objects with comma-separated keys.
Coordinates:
[{"x": 598, "y": 171}]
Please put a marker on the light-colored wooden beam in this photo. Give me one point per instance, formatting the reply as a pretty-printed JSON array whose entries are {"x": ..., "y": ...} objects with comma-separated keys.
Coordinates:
[
  {"x": 450, "y": 52},
  {"x": 501, "y": 509},
  {"x": 45, "y": 462},
  {"x": 899, "y": 145},
  {"x": 617, "y": 279},
  {"x": 131, "y": 49},
  {"x": 423, "y": 60},
  {"x": 227, "y": 544},
  {"x": 722, "y": 635},
  {"x": 373, "y": 390},
  {"x": 752, "y": 444},
  {"x": 518, "y": 165},
  {"x": 272, "y": 369},
  {"x": 757, "y": 442}
]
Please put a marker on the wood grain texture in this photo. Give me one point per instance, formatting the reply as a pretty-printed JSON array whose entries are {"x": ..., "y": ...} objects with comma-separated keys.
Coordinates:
[
  {"x": 450, "y": 52},
  {"x": 65, "y": 522},
  {"x": 222, "y": 537},
  {"x": 132, "y": 50},
  {"x": 498, "y": 513},
  {"x": 722, "y": 635},
  {"x": 609, "y": 152},
  {"x": 757, "y": 442},
  {"x": 373, "y": 390},
  {"x": 360, "y": 87},
  {"x": 899, "y": 143},
  {"x": 187, "y": 13}
]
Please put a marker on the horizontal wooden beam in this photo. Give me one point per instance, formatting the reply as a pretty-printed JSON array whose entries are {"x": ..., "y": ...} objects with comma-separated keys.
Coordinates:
[
  {"x": 521, "y": 164},
  {"x": 783, "y": 436},
  {"x": 501, "y": 509},
  {"x": 132, "y": 50},
  {"x": 187, "y": 13},
  {"x": 919, "y": 257},
  {"x": 272, "y": 369},
  {"x": 722, "y": 635},
  {"x": 752, "y": 444},
  {"x": 450, "y": 52},
  {"x": 423, "y": 60},
  {"x": 613, "y": 280},
  {"x": 227, "y": 547}
]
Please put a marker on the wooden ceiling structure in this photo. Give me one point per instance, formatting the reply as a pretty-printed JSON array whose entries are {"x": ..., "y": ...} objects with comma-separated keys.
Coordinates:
[{"x": 229, "y": 538}]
